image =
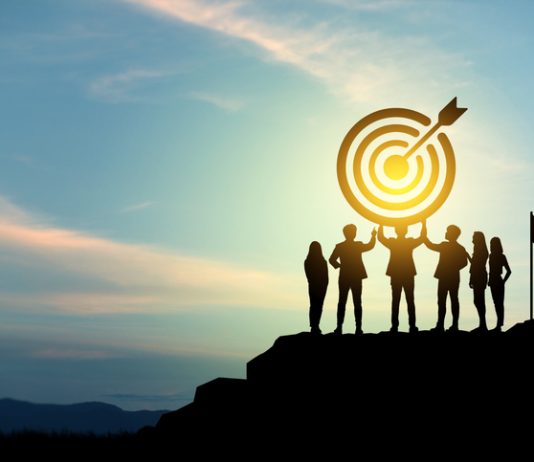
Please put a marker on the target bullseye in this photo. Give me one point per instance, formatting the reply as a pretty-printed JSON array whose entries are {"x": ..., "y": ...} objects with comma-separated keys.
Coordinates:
[
  {"x": 396, "y": 167},
  {"x": 375, "y": 173}
]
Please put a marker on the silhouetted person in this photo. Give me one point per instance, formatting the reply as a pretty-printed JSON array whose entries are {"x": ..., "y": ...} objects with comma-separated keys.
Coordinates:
[
  {"x": 478, "y": 279},
  {"x": 452, "y": 258},
  {"x": 317, "y": 274},
  {"x": 347, "y": 256},
  {"x": 498, "y": 261},
  {"x": 401, "y": 270}
]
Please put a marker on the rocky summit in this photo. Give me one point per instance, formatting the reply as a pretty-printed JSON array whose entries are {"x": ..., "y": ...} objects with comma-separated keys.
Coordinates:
[{"x": 381, "y": 391}]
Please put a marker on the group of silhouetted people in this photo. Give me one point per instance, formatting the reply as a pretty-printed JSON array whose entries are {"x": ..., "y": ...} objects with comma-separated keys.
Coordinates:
[{"x": 347, "y": 257}]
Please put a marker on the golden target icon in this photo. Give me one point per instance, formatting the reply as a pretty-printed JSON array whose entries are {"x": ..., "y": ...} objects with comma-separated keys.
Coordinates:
[{"x": 392, "y": 169}]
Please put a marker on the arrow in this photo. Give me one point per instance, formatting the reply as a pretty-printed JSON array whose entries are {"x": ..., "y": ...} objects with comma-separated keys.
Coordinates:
[{"x": 447, "y": 116}]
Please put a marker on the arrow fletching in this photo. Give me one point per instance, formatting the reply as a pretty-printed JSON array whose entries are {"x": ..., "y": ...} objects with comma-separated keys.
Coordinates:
[{"x": 450, "y": 113}]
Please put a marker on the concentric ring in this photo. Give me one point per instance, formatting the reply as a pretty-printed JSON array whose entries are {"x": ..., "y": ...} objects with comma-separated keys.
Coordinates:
[{"x": 416, "y": 190}]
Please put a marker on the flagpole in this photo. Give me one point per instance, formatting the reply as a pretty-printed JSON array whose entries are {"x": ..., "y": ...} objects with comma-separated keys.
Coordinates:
[{"x": 531, "y": 244}]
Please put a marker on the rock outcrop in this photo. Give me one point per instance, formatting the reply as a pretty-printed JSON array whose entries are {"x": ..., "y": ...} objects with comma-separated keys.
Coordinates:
[{"x": 381, "y": 391}]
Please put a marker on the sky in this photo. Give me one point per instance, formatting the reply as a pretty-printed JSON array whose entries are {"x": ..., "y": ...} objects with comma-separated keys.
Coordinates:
[{"x": 164, "y": 165}]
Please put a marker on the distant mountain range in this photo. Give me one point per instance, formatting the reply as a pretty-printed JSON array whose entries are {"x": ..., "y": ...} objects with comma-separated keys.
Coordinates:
[{"x": 92, "y": 417}]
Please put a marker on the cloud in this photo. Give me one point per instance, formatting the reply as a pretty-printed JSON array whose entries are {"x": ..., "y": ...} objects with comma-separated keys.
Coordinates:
[
  {"x": 120, "y": 87},
  {"x": 116, "y": 277},
  {"x": 67, "y": 353},
  {"x": 354, "y": 62},
  {"x": 27, "y": 161},
  {"x": 55, "y": 45},
  {"x": 222, "y": 102},
  {"x": 369, "y": 5},
  {"x": 156, "y": 398},
  {"x": 9, "y": 212},
  {"x": 86, "y": 303},
  {"x": 137, "y": 207}
]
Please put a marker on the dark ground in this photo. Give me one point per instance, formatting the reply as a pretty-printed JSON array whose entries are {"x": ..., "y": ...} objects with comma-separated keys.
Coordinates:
[{"x": 425, "y": 395}]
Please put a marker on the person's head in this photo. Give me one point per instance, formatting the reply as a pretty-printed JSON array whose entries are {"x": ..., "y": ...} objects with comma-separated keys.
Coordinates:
[
  {"x": 496, "y": 246},
  {"x": 401, "y": 230},
  {"x": 315, "y": 250},
  {"x": 453, "y": 233},
  {"x": 349, "y": 231},
  {"x": 479, "y": 242}
]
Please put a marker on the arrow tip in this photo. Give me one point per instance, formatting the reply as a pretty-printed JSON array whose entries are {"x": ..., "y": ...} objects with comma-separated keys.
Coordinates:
[{"x": 450, "y": 113}]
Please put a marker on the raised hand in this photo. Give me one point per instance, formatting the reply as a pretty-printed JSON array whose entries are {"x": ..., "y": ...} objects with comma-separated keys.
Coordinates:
[{"x": 424, "y": 232}]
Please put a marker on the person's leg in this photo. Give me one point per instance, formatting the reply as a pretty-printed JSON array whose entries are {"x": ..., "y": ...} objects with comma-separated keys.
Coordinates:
[
  {"x": 455, "y": 304},
  {"x": 501, "y": 317},
  {"x": 342, "y": 302},
  {"x": 442, "y": 300},
  {"x": 396, "y": 288},
  {"x": 409, "y": 285},
  {"x": 356, "y": 287},
  {"x": 315, "y": 307},
  {"x": 479, "y": 299},
  {"x": 311, "y": 313},
  {"x": 321, "y": 294},
  {"x": 495, "y": 298},
  {"x": 497, "y": 292}
]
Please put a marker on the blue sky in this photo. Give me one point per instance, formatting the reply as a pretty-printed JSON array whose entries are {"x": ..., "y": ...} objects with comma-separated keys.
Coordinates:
[{"x": 165, "y": 164}]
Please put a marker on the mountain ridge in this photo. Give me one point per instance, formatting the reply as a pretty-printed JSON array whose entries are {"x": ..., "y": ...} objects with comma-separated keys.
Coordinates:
[
  {"x": 383, "y": 387},
  {"x": 86, "y": 417}
]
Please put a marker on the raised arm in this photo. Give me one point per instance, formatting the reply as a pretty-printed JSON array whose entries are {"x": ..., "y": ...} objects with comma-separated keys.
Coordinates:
[
  {"x": 381, "y": 238},
  {"x": 431, "y": 245},
  {"x": 334, "y": 258},
  {"x": 422, "y": 236},
  {"x": 371, "y": 243},
  {"x": 507, "y": 268}
]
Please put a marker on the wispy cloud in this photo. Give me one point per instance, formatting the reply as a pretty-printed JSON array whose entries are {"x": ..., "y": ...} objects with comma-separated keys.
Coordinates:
[
  {"x": 222, "y": 102},
  {"x": 136, "y": 207},
  {"x": 355, "y": 62},
  {"x": 68, "y": 353},
  {"x": 150, "y": 398},
  {"x": 24, "y": 160},
  {"x": 88, "y": 303},
  {"x": 120, "y": 278},
  {"x": 9, "y": 212},
  {"x": 52, "y": 45},
  {"x": 121, "y": 86},
  {"x": 369, "y": 5}
]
